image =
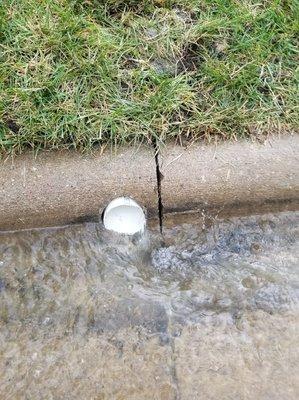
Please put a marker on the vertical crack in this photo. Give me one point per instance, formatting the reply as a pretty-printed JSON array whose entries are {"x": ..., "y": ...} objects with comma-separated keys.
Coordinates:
[
  {"x": 174, "y": 374},
  {"x": 159, "y": 177},
  {"x": 172, "y": 347}
]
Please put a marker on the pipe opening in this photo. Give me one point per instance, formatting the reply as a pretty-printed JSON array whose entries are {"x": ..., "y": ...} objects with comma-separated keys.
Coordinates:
[{"x": 124, "y": 215}]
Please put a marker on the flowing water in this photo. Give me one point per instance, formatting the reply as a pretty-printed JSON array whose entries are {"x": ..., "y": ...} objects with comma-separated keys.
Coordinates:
[{"x": 208, "y": 312}]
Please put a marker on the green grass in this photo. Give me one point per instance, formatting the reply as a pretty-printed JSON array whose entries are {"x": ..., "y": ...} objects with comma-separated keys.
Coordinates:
[{"x": 79, "y": 74}]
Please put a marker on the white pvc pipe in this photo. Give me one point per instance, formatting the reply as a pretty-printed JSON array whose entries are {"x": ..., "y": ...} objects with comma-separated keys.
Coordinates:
[{"x": 124, "y": 215}]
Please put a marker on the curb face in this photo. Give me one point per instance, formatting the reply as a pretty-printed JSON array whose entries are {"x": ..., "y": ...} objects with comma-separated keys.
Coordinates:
[
  {"x": 230, "y": 174},
  {"x": 59, "y": 188}
]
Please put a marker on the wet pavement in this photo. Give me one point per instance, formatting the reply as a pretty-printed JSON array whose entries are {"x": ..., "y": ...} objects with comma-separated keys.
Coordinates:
[{"x": 209, "y": 311}]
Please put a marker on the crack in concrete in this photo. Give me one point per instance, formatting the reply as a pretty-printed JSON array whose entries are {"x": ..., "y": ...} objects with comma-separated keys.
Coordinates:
[
  {"x": 159, "y": 178},
  {"x": 172, "y": 365},
  {"x": 174, "y": 375}
]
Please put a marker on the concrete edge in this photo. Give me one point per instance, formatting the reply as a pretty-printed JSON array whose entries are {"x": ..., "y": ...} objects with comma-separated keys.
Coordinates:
[{"x": 59, "y": 188}]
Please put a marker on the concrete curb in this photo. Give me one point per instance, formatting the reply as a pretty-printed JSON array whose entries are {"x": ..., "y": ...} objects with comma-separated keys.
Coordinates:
[
  {"x": 231, "y": 174},
  {"x": 58, "y": 188}
]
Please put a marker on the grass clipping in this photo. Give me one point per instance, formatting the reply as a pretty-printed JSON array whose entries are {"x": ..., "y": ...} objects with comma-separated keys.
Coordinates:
[{"x": 78, "y": 74}]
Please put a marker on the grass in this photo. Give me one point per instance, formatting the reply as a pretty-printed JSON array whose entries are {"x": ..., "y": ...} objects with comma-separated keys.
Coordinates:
[{"x": 79, "y": 74}]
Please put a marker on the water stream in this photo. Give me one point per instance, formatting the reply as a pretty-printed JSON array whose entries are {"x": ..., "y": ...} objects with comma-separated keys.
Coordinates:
[{"x": 210, "y": 311}]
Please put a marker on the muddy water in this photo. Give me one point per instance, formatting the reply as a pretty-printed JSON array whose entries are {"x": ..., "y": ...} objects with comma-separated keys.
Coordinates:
[{"x": 209, "y": 312}]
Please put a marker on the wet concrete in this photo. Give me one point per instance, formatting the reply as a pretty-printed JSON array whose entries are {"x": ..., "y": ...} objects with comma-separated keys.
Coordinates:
[
  {"x": 58, "y": 188},
  {"x": 208, "y": 311}
]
